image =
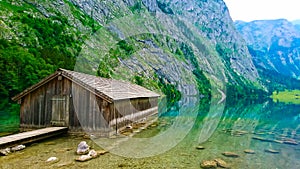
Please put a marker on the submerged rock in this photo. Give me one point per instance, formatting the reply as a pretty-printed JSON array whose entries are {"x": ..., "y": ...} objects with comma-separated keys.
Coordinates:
[
  {"x": 83, "y": 148},
  {"x": 262, "y": 139},
  {"x": 102, "y": 152},
  {"x": 239, "y": 133},
  {"x": 90, "y": 155},
  {"x": 221, "y": 163},
  {"x": 5, "y": 152},
  {"x": 18, "y": 148},
  {"x": 52, "y": 160},
  {"x": 230, "y": 154},
  {"x": 83, "y": 158},
  {"x": 249, "y": 151},
  {"x": 200, "y": 147},
  {"x": 208, "y": 164},
  {"x": 271, "y": 151},
  {"x": 290, "y": 142},
  {"x": 278, "y": 141},
  {"x": 93, "y": 154}
]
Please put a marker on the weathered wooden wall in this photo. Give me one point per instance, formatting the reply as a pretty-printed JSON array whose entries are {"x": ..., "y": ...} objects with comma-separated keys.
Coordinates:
[
  {"x": 92, "y": 111},
  {"x": 36, "y": 107},
  {"x": 78, "y": 108},
  {"x": 131, "y": 110}
]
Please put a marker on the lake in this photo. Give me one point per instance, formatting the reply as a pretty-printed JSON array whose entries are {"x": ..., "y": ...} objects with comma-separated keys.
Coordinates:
[{"x": 267, "y": 128}]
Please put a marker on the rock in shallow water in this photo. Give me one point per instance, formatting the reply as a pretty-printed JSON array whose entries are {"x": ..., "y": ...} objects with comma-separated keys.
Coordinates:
[
  {"x": 102, "y": 152},
  {"x": 249, "y": 151},
  {"x": 278, "y": 141},
  {"x": 272, "y": 151},
  {"x": 208, "y": 164},
  {"x": 90, "y": 155},
  {"x": 230, "y": 154},
  {"x": 262, "y": 139},
  {"x": 93, "y": 154},
  {"x": 83, "y": 158},
  {"x": 290, "y": 142},
  {"x": 18, "y": 148},
  {"x": 221, "y": 163},
  {"x": 83, "y": 148},
  {"x": 52, "y": 159},
  {"x": 5, "y": 152},
  {"x": 200, "y": 147}
]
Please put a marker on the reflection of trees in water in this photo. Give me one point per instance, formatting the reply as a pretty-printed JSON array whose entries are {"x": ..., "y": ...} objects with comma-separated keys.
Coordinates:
[
  {"x": 260, "y": 116},
  {"x": 242, "y": 116},
  {"x": 9, "y": 122},
  {"x": 245, "y": 119},
  {"x": 211, "y": 120}
]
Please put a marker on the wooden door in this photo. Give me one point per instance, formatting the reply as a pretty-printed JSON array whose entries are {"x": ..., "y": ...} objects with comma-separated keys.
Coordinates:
[{"x": 60, "y": 110}]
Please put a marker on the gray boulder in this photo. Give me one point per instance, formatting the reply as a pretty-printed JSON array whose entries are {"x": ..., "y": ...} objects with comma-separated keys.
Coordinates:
[{"x": 82, "y": 148}]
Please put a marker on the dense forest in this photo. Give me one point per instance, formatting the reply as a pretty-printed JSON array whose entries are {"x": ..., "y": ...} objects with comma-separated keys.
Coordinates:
[
  {"x": 44, "y": 47},
  {"x": 46, "y": 44}
]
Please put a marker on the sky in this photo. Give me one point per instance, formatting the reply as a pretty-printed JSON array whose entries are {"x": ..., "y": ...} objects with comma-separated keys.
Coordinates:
[{"x": 249, "y": 10}]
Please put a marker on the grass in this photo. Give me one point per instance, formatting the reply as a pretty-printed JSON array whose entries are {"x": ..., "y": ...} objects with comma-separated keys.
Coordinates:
[{"x": 287, "y": 96}]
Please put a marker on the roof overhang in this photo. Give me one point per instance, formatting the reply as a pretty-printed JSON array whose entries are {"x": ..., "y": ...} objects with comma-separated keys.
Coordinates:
[
  {"x": 55, "y": 75},
  {"x": 76, "y": 80}
]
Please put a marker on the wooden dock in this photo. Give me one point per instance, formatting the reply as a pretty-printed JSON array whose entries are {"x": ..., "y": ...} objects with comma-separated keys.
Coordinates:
[{"x": 31, "y": 136}]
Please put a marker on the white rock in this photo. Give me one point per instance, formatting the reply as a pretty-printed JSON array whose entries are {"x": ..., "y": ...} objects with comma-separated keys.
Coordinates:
[
  {"x": 5, "y": 152},
  {"x": 18, "y": 148},
  {"x": 93, "y": 154},
  {"x": 52, "y": 159},
  {"x": 84, "y": 158}
]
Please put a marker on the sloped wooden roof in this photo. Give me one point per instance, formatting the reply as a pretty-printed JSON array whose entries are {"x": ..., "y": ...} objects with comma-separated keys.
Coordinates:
[{"x": 108, "y": 89}]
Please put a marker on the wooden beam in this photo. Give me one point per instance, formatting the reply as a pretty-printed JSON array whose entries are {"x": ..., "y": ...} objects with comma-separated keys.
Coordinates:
[{"x": 31, "y": 136}]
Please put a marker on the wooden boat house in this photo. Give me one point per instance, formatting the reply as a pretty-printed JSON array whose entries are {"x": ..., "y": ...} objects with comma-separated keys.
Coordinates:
[{"x": 84, "y": 102}]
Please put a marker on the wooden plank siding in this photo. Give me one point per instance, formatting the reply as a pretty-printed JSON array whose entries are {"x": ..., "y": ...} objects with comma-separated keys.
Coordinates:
[
  {"x": 63, "y": 100},
  {"x": 131, "y": 110}
]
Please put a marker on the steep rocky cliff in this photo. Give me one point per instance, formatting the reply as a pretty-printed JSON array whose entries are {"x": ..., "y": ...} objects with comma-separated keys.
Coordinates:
[
  {"x": 205, "y": 28},
  {"x": 187, "y": 44},
  {"x": 274, "y": 45}
]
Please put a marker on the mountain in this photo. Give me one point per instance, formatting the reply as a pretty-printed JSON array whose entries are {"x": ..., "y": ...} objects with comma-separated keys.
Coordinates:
[
  {"x": 171, "y": 46},
  {"x": 274, "y": 44},
  {"x": 296, "y": 22}
]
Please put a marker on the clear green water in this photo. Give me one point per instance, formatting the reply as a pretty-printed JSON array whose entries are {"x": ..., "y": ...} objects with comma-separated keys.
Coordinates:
[
  {"x": 217, "y": 128},
  {"x": 8, "y": 123}
]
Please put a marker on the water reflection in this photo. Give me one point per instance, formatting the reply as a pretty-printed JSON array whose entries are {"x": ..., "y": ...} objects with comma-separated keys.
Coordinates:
[
  {"x": 262, "y": 127},
  {"x": 192, "y": 122}
]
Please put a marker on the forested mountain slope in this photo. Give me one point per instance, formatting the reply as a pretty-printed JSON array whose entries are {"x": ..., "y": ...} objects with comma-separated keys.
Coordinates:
[{"x": 168, "y": 46}]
